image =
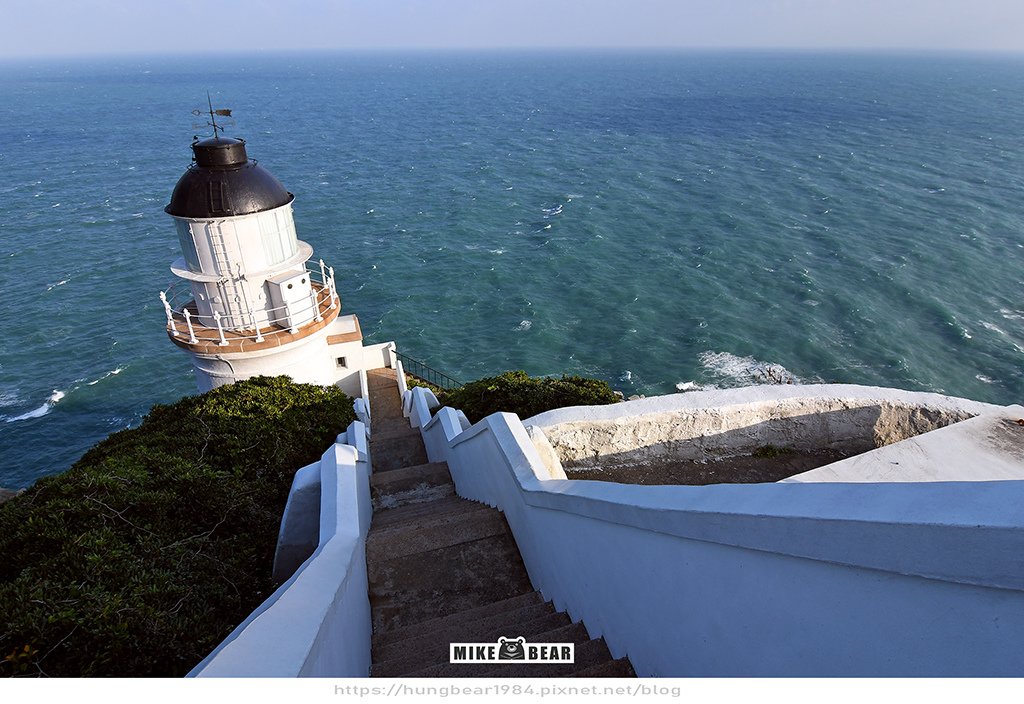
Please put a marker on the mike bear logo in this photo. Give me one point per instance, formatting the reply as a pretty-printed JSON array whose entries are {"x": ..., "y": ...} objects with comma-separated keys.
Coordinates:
[
  {"x": 512, "y": 648},
  {"x": 511, "y": 651}
]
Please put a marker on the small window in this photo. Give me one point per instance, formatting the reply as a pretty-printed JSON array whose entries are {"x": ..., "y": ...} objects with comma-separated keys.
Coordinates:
[{"x": 342, "y": 362}]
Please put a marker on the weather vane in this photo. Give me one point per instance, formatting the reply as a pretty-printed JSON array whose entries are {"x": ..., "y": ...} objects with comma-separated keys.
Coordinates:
[{"x": 212, "y": 122}]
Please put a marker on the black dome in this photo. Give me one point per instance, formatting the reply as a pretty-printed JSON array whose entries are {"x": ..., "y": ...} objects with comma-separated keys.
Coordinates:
[{"x": 224, "y": 182}]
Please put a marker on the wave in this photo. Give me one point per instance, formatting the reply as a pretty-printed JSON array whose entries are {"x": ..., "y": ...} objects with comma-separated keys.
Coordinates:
[
  {"x": 112, "y": 372},
  {"x": 998, "y": 330},
  {"x": 684, "y": 386},
  {"x": 54, "y": 399},
  {"x": 745, "y": 371},
  {"x": 59, "y": 283},
  {"x": 524, "y": 326}
]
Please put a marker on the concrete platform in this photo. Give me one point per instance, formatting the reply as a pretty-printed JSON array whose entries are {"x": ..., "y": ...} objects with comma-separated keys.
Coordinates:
[{"x": 989, "y": 447}]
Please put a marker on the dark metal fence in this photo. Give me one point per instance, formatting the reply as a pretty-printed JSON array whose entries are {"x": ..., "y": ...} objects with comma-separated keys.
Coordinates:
[{"x": 421, "y": 371}]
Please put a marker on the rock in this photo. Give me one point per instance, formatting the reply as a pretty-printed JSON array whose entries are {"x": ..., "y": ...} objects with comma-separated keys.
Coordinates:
[{"x": 6, "y": 494}]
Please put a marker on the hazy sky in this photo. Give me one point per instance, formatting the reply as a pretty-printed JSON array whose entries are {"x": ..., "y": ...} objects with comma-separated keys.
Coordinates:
[{"x": 44, "y": 27}]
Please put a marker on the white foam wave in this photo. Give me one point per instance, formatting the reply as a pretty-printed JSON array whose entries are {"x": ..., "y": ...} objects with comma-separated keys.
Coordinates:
[
  {"x": 59, "y": 283},
  {"x": 626, "y": 376},
  {"x": 112, "y": 372},
  {"x": 1011, "y": 314},
  {"x": 524, "y": 326},
  {"x": 54, "y": 399},
  {"x": 492, "y": 251},
  {"x": 557, "y": 210},
  {"x": 984, "y": 379},
  {"x": 996, "y": 329},
  {"x": 684, "y": 386},
  {"x": 745, "y": 371}
]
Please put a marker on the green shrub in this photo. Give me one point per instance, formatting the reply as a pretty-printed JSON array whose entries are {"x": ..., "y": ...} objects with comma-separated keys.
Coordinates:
[
  {"x": 413, "y": 381},
  {"x": 526, "y": 396},
  {"x": 144, "y": 555},
  {"x": 771, "y": 452}
]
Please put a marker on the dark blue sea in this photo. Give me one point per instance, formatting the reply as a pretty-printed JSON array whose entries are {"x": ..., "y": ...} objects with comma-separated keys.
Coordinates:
[{"x": 661, "y": 221}]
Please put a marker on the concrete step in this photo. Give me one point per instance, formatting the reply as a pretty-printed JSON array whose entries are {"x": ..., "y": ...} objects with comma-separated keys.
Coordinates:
[
  {"x": 390, "y": 517},
  {"x": 572, "y": 633},
  {"x": 613, "y": 668},
  {"x": 436, "y": 583},
  {"x": 409, "y": 485},
  {"x": 588, "y": 654},
  {"x": 433, "y": 532},
  {"x": 385, "y": 403},
  {"x": 463, "y": 617},
  {"x": 387, "y": 427},
  {"x": 397, "y": 451},
  {"x": 433, "y": 649}
]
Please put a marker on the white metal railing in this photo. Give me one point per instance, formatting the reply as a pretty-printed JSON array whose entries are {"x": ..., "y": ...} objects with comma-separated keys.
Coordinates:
[{"x": 252, "y": 323}]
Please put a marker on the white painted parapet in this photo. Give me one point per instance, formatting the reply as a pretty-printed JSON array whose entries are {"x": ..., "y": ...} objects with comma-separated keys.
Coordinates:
[
  {"x": 708, "y": 425},
  {"x": 300, "y": 524},
  {"x": 316, "y": 624},
  {"x": 907, "y": 579}
]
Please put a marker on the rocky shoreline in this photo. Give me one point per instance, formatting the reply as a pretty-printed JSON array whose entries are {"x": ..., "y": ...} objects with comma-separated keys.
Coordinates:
[{"x": 6, "y": 494}]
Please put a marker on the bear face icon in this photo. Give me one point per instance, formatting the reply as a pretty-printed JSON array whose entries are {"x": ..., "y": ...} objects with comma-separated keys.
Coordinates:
[{"x": 512, "y": 648}]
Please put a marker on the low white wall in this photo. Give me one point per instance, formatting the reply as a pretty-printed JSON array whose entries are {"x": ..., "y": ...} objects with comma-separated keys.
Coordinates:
[
  {"x": 714, "y": 424},
  {"x": 300, "y": 524},
  {"x": 317, "y": 624},
  {"x": 378, "y": 356},
  {"x": 762, "y": 579}
]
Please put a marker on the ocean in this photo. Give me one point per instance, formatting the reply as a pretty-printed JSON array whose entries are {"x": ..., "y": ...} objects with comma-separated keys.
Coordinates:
[{"x": 664, "y": 221}]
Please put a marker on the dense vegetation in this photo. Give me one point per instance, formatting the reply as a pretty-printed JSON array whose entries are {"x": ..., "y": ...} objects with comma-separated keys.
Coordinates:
[
  {"x": 526, "y": 396},
  {"x": 144, "y": 555}
]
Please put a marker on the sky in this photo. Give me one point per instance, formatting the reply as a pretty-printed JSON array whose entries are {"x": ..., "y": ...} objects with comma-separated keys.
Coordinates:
[{"x": 33, "y": 28}]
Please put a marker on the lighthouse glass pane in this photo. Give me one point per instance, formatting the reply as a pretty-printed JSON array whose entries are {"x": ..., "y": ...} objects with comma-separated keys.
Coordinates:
[
  {"x": 188, "y": 245},
  {"x": 286, "y": 230},
  {"x": 278, "y": 236},
  {"x": 271, "y": 242}
]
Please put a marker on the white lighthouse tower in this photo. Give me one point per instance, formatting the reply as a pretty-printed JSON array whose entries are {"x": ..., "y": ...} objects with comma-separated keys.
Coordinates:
[{"x": 249, "y": 300}]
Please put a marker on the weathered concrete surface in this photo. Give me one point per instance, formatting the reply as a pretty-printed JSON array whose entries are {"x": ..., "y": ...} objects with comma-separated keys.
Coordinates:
[
  {"x": 711, "y": 425},
  {"x": 986, "y": 448},
  {"x": 442, "y": 569}
]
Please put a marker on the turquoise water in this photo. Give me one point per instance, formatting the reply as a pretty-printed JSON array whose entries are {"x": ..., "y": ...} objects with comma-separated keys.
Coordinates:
[{"x": 659, "y": 221}]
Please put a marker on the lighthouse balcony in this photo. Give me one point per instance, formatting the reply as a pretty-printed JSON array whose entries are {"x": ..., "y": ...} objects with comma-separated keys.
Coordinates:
[{"x": 244, "y": 328}]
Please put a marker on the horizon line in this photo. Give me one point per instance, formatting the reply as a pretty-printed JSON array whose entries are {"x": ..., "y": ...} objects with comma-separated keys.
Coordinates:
[{"x": 395, "y": 50}]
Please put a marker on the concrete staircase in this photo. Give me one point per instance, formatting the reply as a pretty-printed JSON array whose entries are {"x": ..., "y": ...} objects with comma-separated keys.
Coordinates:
[{"x": 443, "y": 569}]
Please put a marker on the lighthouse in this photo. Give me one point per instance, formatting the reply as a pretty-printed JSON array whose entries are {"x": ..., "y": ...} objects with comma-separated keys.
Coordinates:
[{"x": 249, "y": 298}]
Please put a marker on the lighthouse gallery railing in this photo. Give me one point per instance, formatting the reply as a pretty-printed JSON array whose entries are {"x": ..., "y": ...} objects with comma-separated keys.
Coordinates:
[{"x": 185, "y": 323}]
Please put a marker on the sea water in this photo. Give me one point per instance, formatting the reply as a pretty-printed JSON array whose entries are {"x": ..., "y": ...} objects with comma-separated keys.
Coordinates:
[{"x": 665, "y": 222}]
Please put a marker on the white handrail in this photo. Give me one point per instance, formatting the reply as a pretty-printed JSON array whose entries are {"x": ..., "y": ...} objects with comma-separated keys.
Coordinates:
[{"x": 178, "y": 303}]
